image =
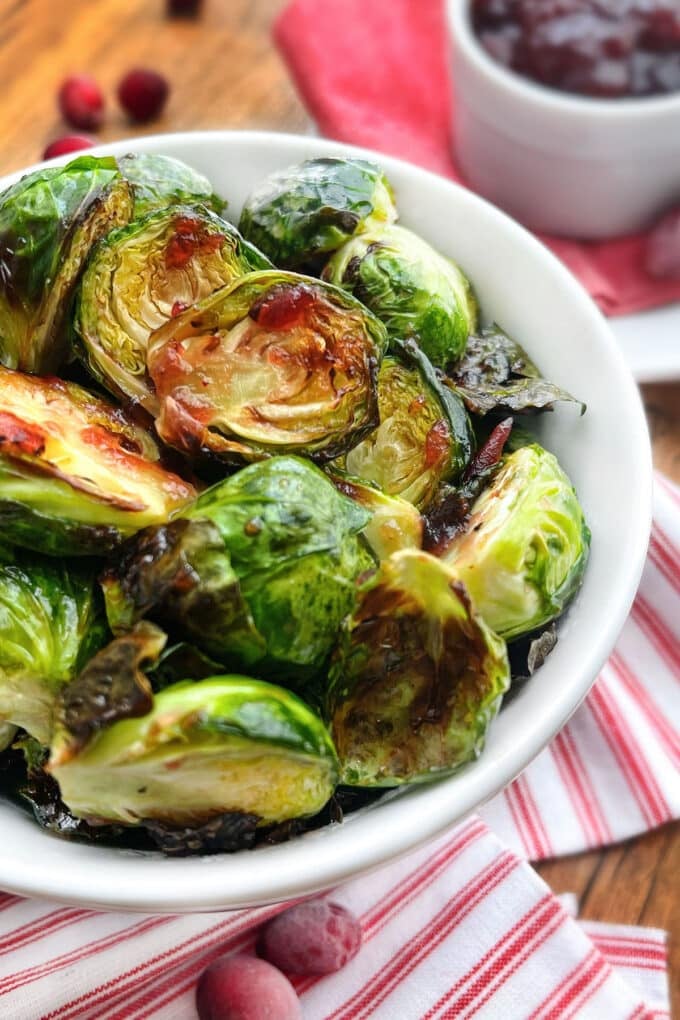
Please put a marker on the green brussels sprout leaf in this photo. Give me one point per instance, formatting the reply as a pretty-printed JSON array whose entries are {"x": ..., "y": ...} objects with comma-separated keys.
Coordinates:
[
  {"x": 206, "y": 749},
  {"x": 49, "y": 221},
  {"x": 160, "y": 181},
  {"x": 276, "y": 363},
  {"x": 523, "y": 552},
  {"x": 395, "y": 523},
  {"x": 413, "y": 289},
  {"x": 308, "y": 210},
  {"x": 141, "y": 275},
  {"x": 50, "y": 623},
  {"x": 76, "y": 475},
  {"x": 416, "y": 678}
]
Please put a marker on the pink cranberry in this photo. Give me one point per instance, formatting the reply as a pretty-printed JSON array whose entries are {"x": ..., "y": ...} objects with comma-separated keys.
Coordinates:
[
  {"x": 81, "y": 102},
  {"x": 69, "y": 143},
  {"x": 142, "y": 94},
  {"x": 662, "y": 255},
  {"x": 316, "y": 937},
  {"x": 245, "y": 988}
]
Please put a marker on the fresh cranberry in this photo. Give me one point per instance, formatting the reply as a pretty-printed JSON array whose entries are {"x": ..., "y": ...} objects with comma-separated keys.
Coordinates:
[
  {"x": 315, "y": 937},
  {"x": 662, "y": 255},
  {"x": 69, "y": 143},
  {"x": 183, "y": 8},
  {"x": 81, "y": 102},
  {"x": 245, "y": 988},
  {"x": 142, "y": 94}
]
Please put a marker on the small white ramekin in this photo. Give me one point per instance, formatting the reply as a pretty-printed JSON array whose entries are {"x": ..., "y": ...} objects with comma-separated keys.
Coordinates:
[{"x": 567, "y": 165}]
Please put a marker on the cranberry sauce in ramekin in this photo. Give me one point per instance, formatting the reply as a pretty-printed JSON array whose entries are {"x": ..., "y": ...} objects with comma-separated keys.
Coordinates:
[{"x": 604, "y": 48}]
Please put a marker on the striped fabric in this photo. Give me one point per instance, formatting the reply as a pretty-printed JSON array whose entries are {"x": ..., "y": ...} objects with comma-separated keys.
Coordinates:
[{"x": 462, "y": 928}]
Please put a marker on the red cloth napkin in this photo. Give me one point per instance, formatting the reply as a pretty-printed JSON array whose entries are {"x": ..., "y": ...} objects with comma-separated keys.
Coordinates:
[
  {"x": 374, "y": 73},
  {"x": 463, "y": 927}
]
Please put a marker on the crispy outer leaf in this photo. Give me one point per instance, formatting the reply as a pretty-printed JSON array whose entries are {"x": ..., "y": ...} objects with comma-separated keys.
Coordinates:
[
  {"x": 160, "y": 181},
  {"x": 49, "y": 221},
  {"x": 312, "y": 208},
  {"x": 416, "y": 678},
  {"x": 496, "y": 375}
]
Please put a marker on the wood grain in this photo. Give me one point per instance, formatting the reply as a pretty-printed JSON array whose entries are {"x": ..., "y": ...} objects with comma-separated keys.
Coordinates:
[{"x": 225, "y": 73}]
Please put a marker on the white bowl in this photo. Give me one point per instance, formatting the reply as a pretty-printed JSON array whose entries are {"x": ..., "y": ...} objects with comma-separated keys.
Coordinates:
[
  {"x": 563, "y": 164},
  {"x": 607, "y": 455}
]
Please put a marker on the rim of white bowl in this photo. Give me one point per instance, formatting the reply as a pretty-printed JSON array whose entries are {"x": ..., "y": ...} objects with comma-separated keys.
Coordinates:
[
  {"x": 569, "y": 105},
  {"x": 148, "y": 882}
]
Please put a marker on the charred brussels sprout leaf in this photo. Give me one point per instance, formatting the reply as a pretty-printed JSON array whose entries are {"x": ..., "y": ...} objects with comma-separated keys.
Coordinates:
[
  {"x": 413, "y": 289},
  {"x": 112, "y": 686},
  {"x": 49, "y": 221},
  {"x": 417, "y": 676},
  {"x": 496, "y": 375},
  {"x": 312, "y": 208},
  {"x": 395, "y": 523},
  {"x": 260, "y": 569},
  {"x": 160, "y": 181},
  {"x": 50, "y": 623},
  {"x": 277, "y": 363},
  {"x": 75, "y": 474},
  {"x": 216, "y": 746},
  {"x": 140, "y": 276},
  {"x": 423, "y": 437},
  {"x": 524, "y": 550}
]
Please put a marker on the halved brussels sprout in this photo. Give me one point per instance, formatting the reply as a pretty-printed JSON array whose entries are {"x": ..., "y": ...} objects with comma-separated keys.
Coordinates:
[
  {"x": 221, "y": 745},
  {"x": 277, "y": 363},
  {"x": 416, "y": 678},
  {"x": 260, "y": 569},
  {"x": 310, "y": 209},
  {"x": 395, "y": 523},
  {"x": 424, "y": 437},
  {"x": 525, "y": 547},
  {"x": 413, "y": 289},
  {"x": 138, "y": 277},
  {"x": 49, "y": 221},
  {"x": 496, "y": 375},
  {"x": 76, "y": 475},
  {"x": 160, "y": 181},
  {"x": 51, "y": 621}
]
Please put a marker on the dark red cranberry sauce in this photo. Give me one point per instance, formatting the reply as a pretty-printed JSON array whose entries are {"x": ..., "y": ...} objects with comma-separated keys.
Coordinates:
[{"x": 605, "y": 48}]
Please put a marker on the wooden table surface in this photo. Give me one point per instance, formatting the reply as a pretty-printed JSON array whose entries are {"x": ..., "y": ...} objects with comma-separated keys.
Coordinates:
[{"x": 225, "y": 73}]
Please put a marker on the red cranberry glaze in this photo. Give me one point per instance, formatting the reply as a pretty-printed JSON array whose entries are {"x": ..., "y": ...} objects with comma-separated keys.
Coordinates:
[{"x": 605, "y": 48}]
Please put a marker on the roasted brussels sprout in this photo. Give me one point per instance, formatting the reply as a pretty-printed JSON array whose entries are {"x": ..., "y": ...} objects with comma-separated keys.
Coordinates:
[
  {"x": 496, "y": 375},
  {"x": 395, "y": 523},
  {"x": 140, "y": 276},
  {"x": 261, "y": 569},
  {"x": 424, "y": 436},
  {"x": 221, "y": 745},
  {"x": 160, "y": 181},
  {"x": 277, "y": 363},
  {"x": 75, "y": 474},
  {"x": 416, "y": 678},
  {"x": 524, "y": 550},
  {"x": 312, "y": 208},
  {"x": 49, "y": 221},
  {"x": 51, "y": 622},
  {"x": 413, "y": 289}
]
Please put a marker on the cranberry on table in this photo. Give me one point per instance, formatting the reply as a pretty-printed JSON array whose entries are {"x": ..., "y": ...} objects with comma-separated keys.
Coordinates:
[
  {"x": 69, "y": 143},
  {"x": 605, "y": 48},
  {"x": 245, "y": 988},
  {"x": 143, "y": 93},
  {"x": 316, "y": 937},
  {"x": 662, "y": 255},
  {"x": 81, "y": 102}
]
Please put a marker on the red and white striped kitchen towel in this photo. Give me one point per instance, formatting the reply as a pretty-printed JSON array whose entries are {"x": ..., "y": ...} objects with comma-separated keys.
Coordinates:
[{"x": 461, "y": 928}]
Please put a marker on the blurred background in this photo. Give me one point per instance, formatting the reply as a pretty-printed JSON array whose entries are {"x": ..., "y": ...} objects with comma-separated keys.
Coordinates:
[{"x": 224, "y": 72}]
